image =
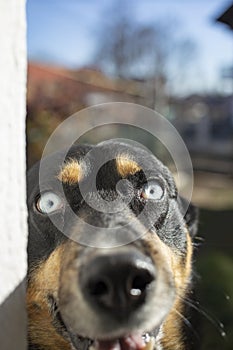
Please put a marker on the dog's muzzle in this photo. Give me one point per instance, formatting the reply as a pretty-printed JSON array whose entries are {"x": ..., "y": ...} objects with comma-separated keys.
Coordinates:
[{"x": 115, "y": 296}]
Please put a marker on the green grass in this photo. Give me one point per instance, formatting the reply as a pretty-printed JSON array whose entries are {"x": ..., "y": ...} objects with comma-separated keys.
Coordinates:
[{"x": 214, "y": 265}]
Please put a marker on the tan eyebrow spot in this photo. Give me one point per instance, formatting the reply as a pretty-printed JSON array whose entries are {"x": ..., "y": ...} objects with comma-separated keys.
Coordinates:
[
  {"x": 71, "y": 172},
  {"x": 126, "y": 166}
]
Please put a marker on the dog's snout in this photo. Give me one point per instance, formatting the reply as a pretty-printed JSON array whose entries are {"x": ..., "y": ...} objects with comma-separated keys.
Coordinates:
[{"x": 118, "y": 283}]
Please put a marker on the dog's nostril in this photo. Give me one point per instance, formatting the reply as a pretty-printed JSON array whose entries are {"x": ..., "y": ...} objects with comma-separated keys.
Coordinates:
[
  {"x": 139, "y": 283},
  {"x": 98, "y": 288}
]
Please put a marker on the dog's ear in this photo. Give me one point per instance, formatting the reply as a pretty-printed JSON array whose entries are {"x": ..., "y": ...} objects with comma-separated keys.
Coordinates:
[{"x": 191, "y": 216}]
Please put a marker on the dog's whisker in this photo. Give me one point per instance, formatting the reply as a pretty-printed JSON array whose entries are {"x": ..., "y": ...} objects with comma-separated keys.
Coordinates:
[
  {"x": 198, "y": 238},
  {"x": 196, "y": 245},
  {"x": 211, "y": 318},
  {"x": 187, "y": 323}
]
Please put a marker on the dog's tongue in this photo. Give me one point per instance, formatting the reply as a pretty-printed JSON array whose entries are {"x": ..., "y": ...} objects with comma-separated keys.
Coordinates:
[{"x": 130, "y": 342}]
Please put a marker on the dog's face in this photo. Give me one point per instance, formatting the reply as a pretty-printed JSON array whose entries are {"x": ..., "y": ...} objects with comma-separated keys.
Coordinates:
[{"x": 107, "y": 295}]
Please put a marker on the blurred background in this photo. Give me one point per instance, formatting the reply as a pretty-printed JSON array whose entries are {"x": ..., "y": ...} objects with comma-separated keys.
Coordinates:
[{"x": 172, "y": 56}]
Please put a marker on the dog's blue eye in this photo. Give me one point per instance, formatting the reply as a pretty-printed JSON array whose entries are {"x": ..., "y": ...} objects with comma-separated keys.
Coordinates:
[
  {"x": 48, "y": 202},
  {"x": 152, "y": 190}
]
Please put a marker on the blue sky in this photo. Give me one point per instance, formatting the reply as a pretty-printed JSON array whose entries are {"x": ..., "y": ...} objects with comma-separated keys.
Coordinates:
[{"x": 64, "y": 32}]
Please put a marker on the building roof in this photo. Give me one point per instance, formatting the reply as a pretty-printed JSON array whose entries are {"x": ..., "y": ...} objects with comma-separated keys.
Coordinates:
[{"x": 227, "y": 17}]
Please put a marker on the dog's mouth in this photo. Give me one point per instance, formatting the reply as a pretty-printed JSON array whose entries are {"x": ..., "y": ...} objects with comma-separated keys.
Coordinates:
[
  {"x": 130, "y": 342},
  {"x": 136, "y": 341}
]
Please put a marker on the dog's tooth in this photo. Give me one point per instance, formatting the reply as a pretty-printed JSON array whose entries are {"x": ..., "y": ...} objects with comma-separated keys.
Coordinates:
[
  {"x": 146, "y": 337},
  {"x": 92, "y": 347},
  {"x": 150, "y": 344}
]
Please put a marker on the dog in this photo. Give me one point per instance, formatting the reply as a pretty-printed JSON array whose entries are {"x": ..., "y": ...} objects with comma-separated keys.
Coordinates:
[{"x": 122, "y": 284}]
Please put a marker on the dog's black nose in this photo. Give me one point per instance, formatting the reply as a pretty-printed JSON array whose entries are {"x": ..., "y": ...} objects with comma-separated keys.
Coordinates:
[{"x": 117, "y": 283}]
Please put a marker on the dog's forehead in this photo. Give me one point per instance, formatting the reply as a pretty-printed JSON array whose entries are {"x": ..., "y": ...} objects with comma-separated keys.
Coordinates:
[
  {"x": 121, "y": 159},
  {"x": 110, "y": 150}
]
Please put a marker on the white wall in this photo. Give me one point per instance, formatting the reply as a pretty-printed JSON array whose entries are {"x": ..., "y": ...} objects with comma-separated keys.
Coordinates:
[{"x": 13, "y": 220}]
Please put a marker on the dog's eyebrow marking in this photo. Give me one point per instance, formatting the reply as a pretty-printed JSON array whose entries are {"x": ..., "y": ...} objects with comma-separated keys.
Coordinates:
[
  {"x": 126, "y": 166},
  {"x": 71, "y": 173}
]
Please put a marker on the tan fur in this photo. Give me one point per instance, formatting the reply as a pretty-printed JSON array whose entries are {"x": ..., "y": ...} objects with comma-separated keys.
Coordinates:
[
  {"x": 44, "y": 282},
  {"x": 189, "y": 256},
  {"x": 71, "y": 173},
  {"x": 172, "y": 327},
  {"x": 126, "y": 166}
]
